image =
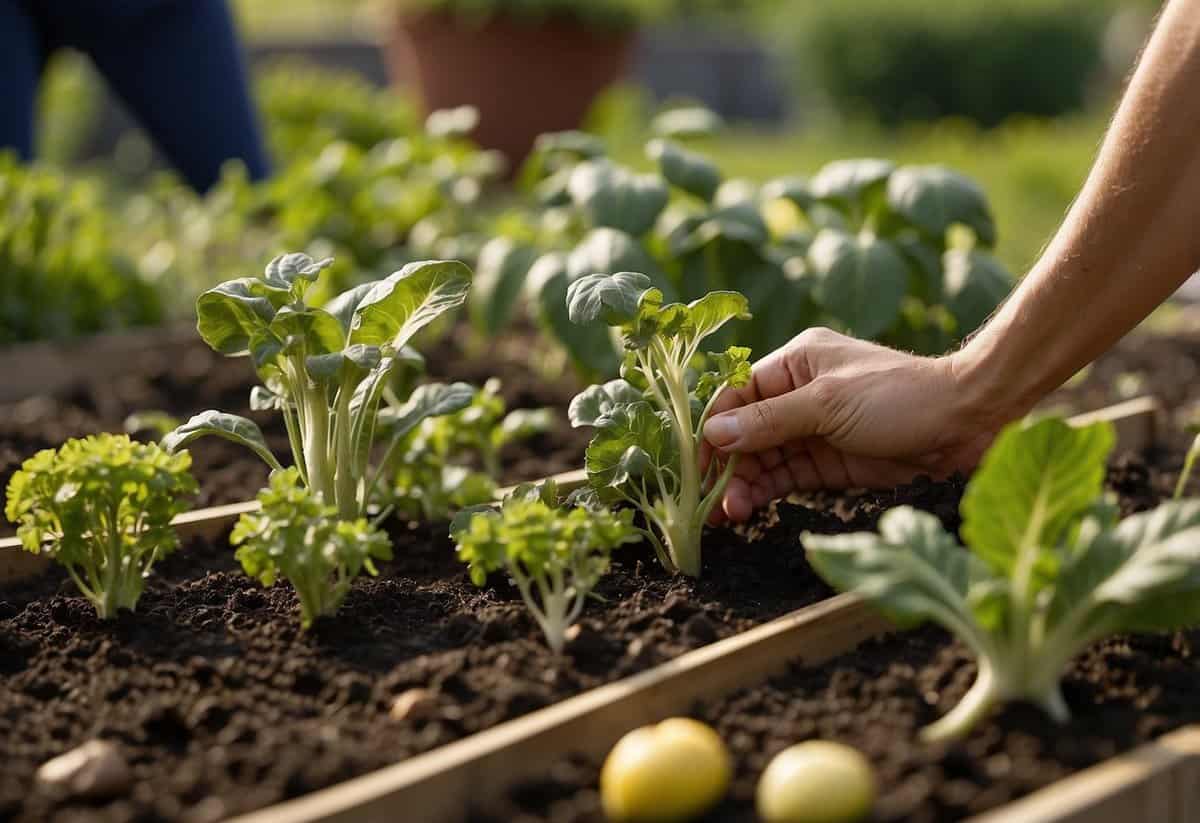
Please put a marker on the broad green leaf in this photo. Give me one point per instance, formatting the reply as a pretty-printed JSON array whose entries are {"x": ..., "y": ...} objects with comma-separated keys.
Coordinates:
[
  {"x": 521, "y": 424},
  {"x": 343, "y": 306},
  {"x": 859, "y": 279},
  {"x": 613, "y": 299},
  {"x": 229, "y": 314},
  {"x": 688, "y": 123},
  {"x": 263, "y": 399},
  {"x": 849, "y": 180},
  {"x": 220, "y": 424},
  {"x": 286, "y": 269},
  {"x": 635, "y": 424},
  {"x": 430, "y": 400},
  {"x": 608, "y": 251},
  {"x": 319, "y": 330},
  {"x": 738, "y": 192},
  {"x": 694, "y": 173},
  {"x": 617, "y": 198},
  {"x": 712, "y": 311},
  {"x": 499, "y": 279},
  {"x": 1033, "y": 486},
  {"x": 739, "y": 223},
  {"x": 400, "y": 305},
  {"x": 352, "y": 363},
  {"x": 595, "y": 403},
  {"x": 795, "y": 189},
  {"x": 975, "y": 284},
  {"x": 913, "y": 570},
  {"x": 934, "y": 198},
  {"x": 591, "y": 347}
]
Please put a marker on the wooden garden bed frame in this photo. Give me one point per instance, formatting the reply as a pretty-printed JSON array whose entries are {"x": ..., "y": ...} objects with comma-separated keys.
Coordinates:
[{"x": 1157, "y": 782}]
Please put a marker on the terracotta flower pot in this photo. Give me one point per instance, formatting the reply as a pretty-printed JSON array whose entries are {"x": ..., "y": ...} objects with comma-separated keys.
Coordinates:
[{"x": 525, "y": 79}]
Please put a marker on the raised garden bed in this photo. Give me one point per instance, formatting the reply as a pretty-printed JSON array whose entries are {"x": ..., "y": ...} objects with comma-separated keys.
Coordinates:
[{"x": 226, "y": 706}]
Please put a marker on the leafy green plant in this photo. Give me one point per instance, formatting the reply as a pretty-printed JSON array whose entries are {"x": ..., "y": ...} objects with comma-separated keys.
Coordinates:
[
  {"x": 430, "y": 474},
  {"x": 554, "y": 555},
  {"x": 325, "y": 368},
  {"x": 893, "y": 254},
  {"x": 646, "y": 450},
  {"x": 299, "y": 537},
  {"x": 102, "y": 507},
  {"x": 61, "y": 274},
  {"x": 1050, "y": 569}
]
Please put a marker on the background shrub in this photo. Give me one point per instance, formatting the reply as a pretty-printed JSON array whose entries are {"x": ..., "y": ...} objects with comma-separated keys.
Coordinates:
[{"x": 924, "y": 59}]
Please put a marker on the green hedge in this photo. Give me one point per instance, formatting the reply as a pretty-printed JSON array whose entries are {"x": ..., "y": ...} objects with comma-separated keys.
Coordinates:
[{"x": 899, "y": 60}]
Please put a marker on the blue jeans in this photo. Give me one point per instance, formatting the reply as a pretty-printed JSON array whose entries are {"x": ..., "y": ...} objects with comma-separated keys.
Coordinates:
[{"x": 175, "y": 63}]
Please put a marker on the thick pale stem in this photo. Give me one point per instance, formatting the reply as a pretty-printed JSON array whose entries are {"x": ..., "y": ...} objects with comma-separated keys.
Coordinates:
[
  {"x": 316, "y": 447},
  {"x": 976, "y": 703},
  {"x": 349, "y": 506},
  {"x": 1188, "y": 463}
]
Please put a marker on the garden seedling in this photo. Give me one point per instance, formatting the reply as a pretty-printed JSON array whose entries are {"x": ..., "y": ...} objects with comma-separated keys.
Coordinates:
[
  {"x": 299, "y": 537},
  {"x": 429, "y": 478},
  {"x": 1050, "y": 568},
  {"x": 646, "y": 450},
  {"x": 555, "y": 555},
  {"x": 325, "y": 369},
  {"x": 102, "y": 508}
]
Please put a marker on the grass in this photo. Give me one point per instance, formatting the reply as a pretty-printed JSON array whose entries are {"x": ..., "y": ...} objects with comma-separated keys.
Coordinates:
[{"x": 1031, "y": 170}]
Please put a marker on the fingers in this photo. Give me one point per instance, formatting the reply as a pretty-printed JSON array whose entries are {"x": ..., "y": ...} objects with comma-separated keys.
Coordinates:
[{"x": 765, "y": 424}]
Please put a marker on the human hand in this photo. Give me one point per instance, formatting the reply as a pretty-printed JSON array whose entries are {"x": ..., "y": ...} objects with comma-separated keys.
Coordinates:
[{"x": 829, "y": 411}]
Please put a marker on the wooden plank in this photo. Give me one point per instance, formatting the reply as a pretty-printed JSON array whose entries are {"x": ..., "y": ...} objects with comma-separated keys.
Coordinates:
[
  {"x": 1156, "y": 783},
  {"x": 445, "y": 784},
  {"x": 51, "y": 368}
]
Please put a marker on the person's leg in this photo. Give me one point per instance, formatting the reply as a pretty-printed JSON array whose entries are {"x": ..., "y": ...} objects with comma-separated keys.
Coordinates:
[
  {"x": 20, "y": 66},
  {"x": 178, "y": 66}
]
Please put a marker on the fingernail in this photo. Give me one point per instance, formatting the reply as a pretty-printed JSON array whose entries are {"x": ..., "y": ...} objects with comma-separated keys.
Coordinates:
[{"x": 723, "y": 429}]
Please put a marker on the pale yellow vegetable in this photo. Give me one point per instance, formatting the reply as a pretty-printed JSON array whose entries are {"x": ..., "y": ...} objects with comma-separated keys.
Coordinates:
[
  {"x": 667, "y": 773},
  {"x": 816, "y": 782}
]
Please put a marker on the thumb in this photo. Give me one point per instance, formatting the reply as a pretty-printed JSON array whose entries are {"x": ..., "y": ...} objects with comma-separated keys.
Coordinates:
[{"x": 765, "y": 424}]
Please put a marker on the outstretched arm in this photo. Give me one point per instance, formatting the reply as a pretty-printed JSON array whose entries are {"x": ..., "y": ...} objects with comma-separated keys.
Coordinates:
[{"x": 828, "y": 411}]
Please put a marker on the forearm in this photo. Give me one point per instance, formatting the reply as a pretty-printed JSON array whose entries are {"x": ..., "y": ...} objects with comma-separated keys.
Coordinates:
[{"x": 1131, "y": 238}]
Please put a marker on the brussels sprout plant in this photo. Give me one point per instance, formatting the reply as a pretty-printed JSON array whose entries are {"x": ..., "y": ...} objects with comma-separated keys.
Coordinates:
[{"x": 325, "y": 369}]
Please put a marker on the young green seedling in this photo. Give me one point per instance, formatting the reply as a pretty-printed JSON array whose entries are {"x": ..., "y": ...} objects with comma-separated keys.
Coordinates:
[
  {"x": 555, "y": 555},
  {"x": 1050, "y": 569},
  {"x": 646, "y": 450},
  {"x": 325, "y": 369},
  {"x": 102, "y": 507},
  {"x": 296, "y": 535}
]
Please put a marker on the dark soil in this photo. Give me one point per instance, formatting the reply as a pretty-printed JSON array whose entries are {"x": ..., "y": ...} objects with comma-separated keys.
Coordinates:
[
  {"x": 1124, "y": 691},
  {"x": 222, "y": 705},
  {"x": 201, "y": 379}
]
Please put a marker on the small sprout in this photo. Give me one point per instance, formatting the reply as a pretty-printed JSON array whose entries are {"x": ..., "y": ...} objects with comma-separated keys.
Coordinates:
[
  {"x": 665, "y": 773},
  {"x": 554, "y": 555},
  {"x": 816, "y": 782},
  {"x": 102, "y": 507},
  {"x": 647, "y": 447},
  {"x": 428, "y": 478},
  {"x": 296, "y": 535}
]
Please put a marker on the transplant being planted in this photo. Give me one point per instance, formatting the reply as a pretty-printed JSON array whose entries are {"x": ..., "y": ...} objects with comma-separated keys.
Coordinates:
[{"x": 647, "y": 448}]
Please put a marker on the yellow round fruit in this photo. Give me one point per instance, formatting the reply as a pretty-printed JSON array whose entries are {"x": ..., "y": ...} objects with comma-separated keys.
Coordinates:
[
  {"x": 816, "y": 782},
  {"x": 667, "y": 773}
]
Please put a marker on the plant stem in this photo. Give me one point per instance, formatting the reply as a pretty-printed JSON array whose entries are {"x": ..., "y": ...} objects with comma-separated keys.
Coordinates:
[
  {"x": 1188, "y": 464},
  {"x": 976, "y": 703}
]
